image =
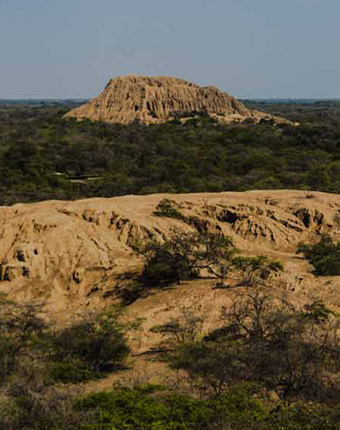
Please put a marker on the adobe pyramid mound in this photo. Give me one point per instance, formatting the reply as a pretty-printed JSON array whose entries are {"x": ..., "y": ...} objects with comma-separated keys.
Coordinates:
[{"x": 150, "y": 100}]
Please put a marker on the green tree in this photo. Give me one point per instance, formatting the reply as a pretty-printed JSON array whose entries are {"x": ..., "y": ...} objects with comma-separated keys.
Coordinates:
[{"x": 183, "y": 255}]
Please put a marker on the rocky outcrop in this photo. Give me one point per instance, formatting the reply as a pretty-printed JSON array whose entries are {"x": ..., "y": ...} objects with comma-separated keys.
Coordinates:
[{"x": 148, "y": 100}]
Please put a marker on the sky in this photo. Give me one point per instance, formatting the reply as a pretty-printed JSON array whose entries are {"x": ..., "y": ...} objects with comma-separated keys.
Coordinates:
[{"x": 249, "y": 48}]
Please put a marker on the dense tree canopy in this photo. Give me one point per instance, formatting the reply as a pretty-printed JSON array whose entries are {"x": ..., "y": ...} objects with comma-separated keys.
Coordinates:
[{"x": 43, "y": 156}]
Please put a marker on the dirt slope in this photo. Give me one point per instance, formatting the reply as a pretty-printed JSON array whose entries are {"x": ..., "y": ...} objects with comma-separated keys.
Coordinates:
[
  {"x": 148, "y": 100},
  {"x": 72, "y": 254}
]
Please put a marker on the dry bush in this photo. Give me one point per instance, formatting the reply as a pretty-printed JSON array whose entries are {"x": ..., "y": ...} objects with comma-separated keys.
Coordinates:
[
  {"x": 29, "y": 402},
  {"x": 270, "y": 343}
]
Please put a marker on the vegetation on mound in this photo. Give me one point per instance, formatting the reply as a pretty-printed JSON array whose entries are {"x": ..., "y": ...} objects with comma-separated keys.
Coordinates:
[
  {"x": 324, "y": 256},
  {"x": 167, "y": 208},
  {"x": 184, "y": 255},
  {"x": 43, "y": 156},
  {"x": 189, "y": 255}
]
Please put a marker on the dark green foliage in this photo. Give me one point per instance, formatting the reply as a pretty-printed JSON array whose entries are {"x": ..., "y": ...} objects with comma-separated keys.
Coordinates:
[
  {"x": 164, "y": 265},
  {"x": 261, "y": 346},
  {"x": 197, "y": 156},
  {"x": 324, "y": 256},
  {"x": 156, "y": 408},
  {"x": 71, "y": 372},
  {"x": 183, "y": 255},
  {"x": 167, "y": 209},
  {"x": 150, "y": 407},
  {"x": 137, "y": 409},
  {"x": 34, "y": 357}
]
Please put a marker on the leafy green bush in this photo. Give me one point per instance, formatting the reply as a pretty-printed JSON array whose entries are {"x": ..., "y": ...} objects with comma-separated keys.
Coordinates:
[
  {"x": 71, "y": 372},
  {"x": 324, "y": 256},
  {"x": 34, "y": 356},
  {"x": 294, "y": 352},
  {"x": 151, "y": 407},
  {"x": 156, "y": 408},
  {"x": 185, "y": 255}
]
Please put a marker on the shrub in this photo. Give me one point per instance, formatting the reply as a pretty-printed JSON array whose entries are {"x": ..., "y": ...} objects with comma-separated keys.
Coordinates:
[
  {"x": 185, "y": 255},
  {"x": 70, "y": 372},
  {"x": 167, "y": 209},
  {"x": 20, "y": 326},
  {"x": 156, "y": 408},
  {"x": 318, "y": 312},
  {"x": 324, "y": 256},
  {"x": 96, "y": 344},
  {"x": 28, "y": 402},
  {"x": 270, "y": 343},
  {"x": 75, "y": 353},
  {"x": 140, "y": 408}
]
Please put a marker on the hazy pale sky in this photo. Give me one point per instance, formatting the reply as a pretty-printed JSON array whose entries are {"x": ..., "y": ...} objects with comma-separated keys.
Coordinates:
[{"x": 250, "y": 48}]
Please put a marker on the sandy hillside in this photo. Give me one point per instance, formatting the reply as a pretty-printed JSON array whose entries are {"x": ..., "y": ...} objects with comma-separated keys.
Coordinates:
[{"x": 72, "y": 254}]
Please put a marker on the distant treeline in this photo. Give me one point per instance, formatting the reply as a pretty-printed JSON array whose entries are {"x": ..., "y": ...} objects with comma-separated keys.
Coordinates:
[
  {"x": 41, "y": 154},
  {"x": 29, "y": 102}
]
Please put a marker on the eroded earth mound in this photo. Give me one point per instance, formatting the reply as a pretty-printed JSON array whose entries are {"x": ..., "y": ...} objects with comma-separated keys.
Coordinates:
[
  {"x": 72, "y": 254},
  {"x": 151, "y": 100}
]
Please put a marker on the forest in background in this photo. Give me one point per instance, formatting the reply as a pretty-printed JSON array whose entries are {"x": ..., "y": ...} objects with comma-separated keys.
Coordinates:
[{"x": 43, "y": 156}]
